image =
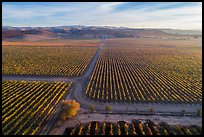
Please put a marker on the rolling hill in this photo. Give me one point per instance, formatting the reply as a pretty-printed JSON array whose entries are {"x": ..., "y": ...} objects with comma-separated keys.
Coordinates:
[{"x": 83, "y": 32}]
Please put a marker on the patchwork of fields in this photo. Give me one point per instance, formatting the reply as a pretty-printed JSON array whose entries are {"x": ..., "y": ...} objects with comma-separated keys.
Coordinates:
[{"x": 123, "y": 71}]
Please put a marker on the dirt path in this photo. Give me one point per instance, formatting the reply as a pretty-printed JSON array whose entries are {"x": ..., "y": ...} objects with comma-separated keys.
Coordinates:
[
  {"x": 80, "y": 85},
  {"x": 85, "y": 118},
  {"x": 37, "y": 78}
]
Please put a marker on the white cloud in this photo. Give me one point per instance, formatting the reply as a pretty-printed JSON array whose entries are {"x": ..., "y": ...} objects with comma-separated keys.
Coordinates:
[
  {"x": 105, "y": 13},
  {"x": 109, "y": 6}
]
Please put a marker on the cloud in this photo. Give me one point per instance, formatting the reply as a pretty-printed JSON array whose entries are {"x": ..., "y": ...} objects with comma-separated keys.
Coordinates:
[
  {"x": 159, "y": 15},
  {"x": 110, "y": 6}
]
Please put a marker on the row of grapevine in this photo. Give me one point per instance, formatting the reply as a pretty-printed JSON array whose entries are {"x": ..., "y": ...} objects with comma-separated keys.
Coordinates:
[
  {"x": 68, "y": 61},
  {"x": 136, "y": 127},
  {"x": 125, "y": 75},
  {"x": 26, "y": 106}
]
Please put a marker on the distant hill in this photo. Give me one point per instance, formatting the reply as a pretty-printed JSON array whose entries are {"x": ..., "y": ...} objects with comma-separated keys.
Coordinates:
[
  {"x": 183, "y": 32},
  {"x": 69, "y": 32}
]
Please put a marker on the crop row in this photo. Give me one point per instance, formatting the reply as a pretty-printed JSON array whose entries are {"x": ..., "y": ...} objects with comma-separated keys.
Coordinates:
[
  {"x": 125, "y": 75},
  {"x": 69, "y": 61},
  {"x": 136, "y": 127},
  {"x": 26, "y": 106}
]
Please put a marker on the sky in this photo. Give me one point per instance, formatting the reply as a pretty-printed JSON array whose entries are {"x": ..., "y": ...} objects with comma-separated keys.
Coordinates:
[{"x": 170, "y": 15}]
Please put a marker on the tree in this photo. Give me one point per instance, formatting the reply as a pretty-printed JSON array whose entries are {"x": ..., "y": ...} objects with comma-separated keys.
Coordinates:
[
  {"x": 59, "y": 123},
  {"x": 108, "y": 108},
  {"x": 136, "y": 110},
  {"x": 68, "y": 109},
  {"x": 199, "y": 112},
  {"x": 92, "y": 108},
  {"x": 183, "y": 111},
  {"x": 151, "y": 110}
]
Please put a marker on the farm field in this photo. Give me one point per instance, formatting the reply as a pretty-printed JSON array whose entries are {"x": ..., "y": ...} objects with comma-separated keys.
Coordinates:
[
  {"x": 153, "y": 42},
  {"x": 26, "y": 106},
  {"x": 37, "y": 60},
  {"x": 151, "y": 74},
  {"x": 168, "y": 55},
  {"x": 122, "y": 68},
  {"x": 136, "y": 127},
  {"x": 54, "y": 43}
]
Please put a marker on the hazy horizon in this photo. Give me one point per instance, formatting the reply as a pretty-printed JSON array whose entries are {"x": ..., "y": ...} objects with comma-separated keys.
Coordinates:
[
  {"x": 100, "y": 26},
  {"x": 153, "y": 15}
]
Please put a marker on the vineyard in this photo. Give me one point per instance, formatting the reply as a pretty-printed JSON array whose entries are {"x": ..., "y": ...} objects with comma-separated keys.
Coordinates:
[
  {"x": 53, "y": 43},
  {"x": 68, "y": 61},
  {"x": 26, "y": 106},
  {"x": 136, "y": 127},
  {"x": 150, "y": 75}
]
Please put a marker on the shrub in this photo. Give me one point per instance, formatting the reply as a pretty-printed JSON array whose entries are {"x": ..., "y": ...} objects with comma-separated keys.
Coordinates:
[
  {"x": 69, "y": 109},
  {"x": 183, "y": 112},
  {"x": 151, "y": 110},
  {"x": 199, "y": 112},
  {"x": 108, "y": 108},
  {"x": 92, "y": 108}
]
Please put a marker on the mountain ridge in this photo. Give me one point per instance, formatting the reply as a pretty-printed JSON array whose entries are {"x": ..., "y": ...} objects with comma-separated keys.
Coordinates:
[{"x": 79, "y": 31}]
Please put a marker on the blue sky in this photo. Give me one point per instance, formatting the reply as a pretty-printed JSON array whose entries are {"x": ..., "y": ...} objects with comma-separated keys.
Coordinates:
[{"x": 175, "y": 15}]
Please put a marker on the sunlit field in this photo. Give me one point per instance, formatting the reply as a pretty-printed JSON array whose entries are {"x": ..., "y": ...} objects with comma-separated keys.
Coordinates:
[
  {"x": 26, "y": 106},
  {"x": 153, "y": 74},
  {"x": 69, "y": 61}
]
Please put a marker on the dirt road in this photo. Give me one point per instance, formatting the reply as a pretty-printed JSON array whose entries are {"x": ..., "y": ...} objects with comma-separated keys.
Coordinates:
[
  {"x": 79, "y": 85},
  {"x": 78, "y": 88}
]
